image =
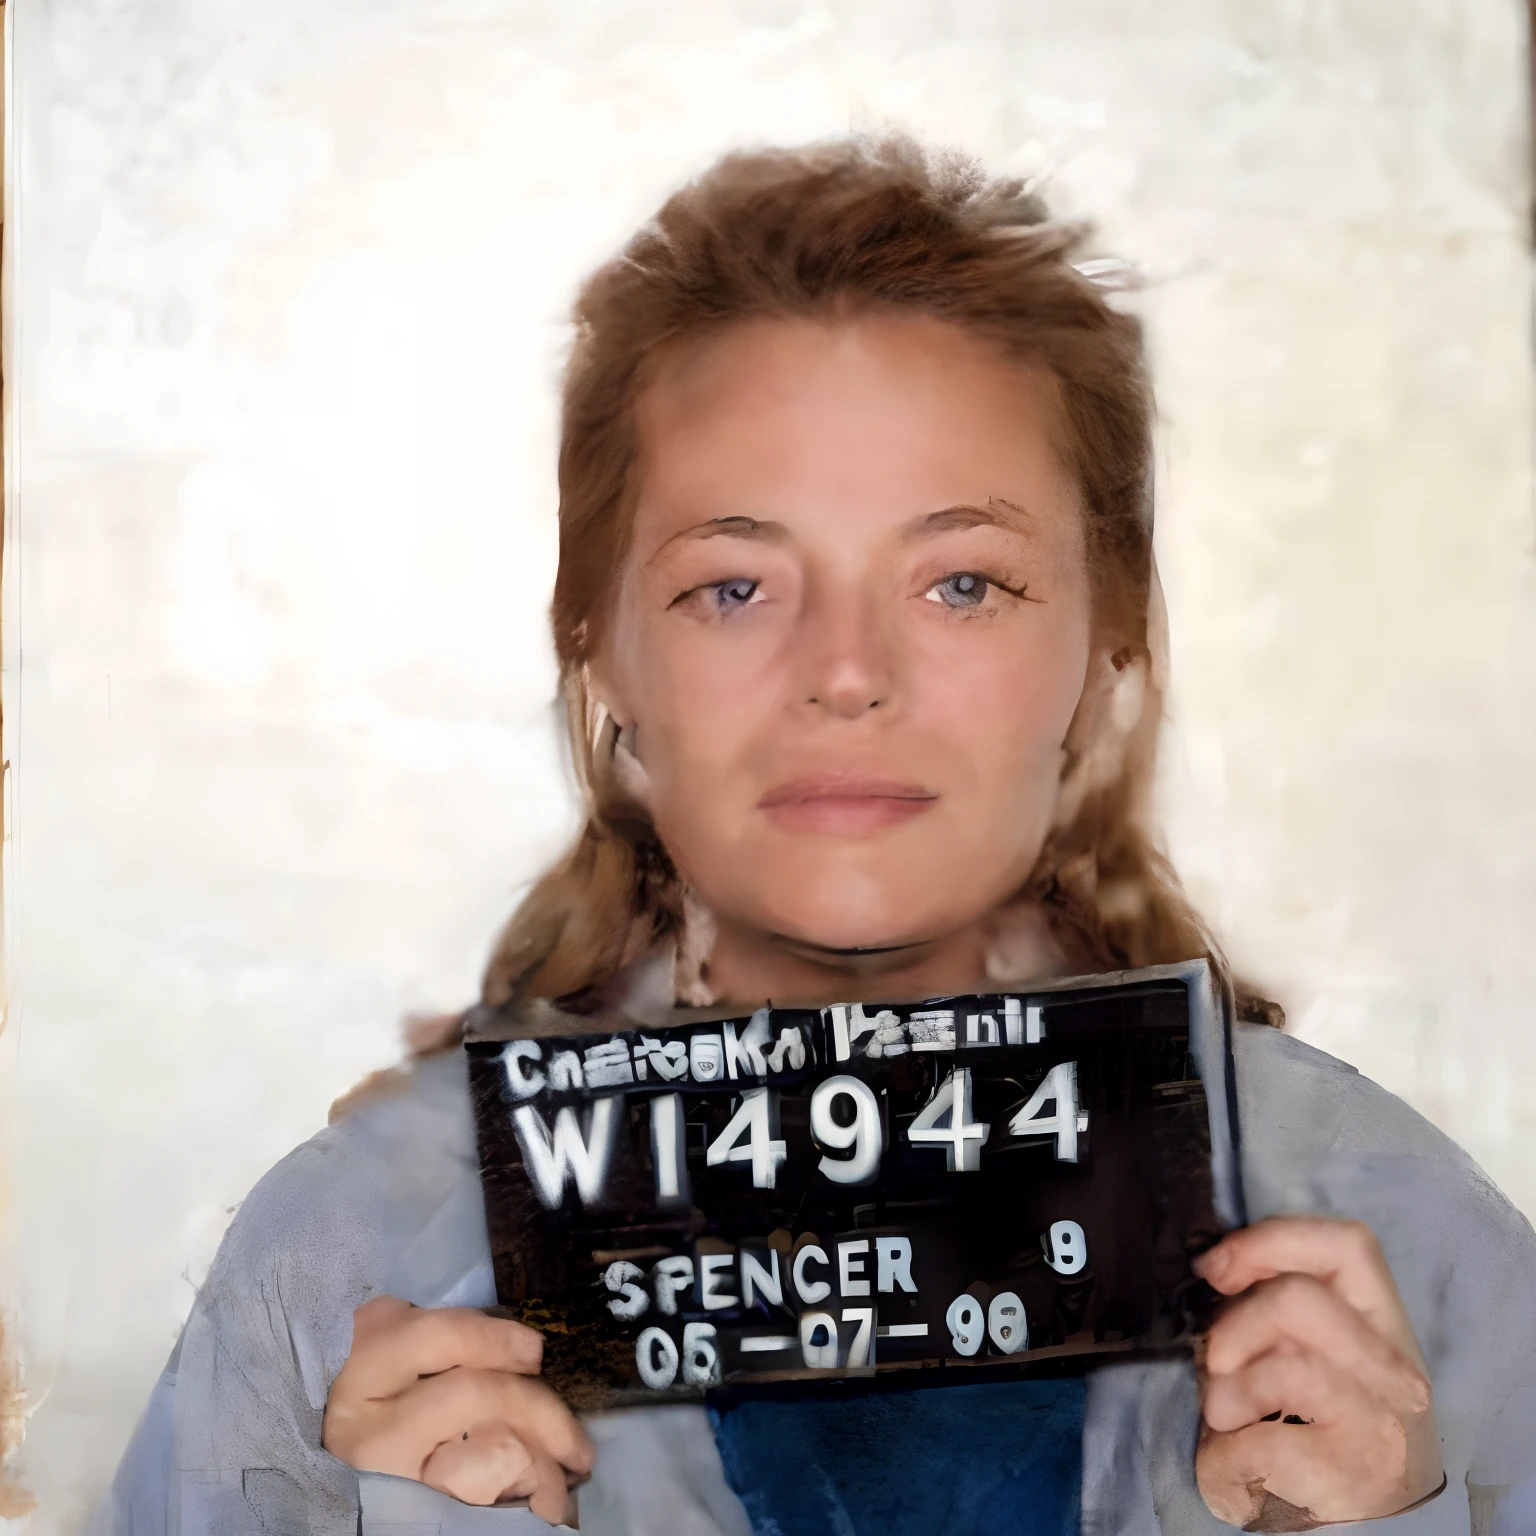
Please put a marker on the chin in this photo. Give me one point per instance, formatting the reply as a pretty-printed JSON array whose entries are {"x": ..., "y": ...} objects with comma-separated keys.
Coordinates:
[
  {"x": 879, "y": 894},
  {"x": 859, "y": 913}
]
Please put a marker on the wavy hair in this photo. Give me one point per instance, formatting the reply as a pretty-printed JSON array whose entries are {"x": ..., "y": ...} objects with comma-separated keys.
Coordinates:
[{"x": 830, "y": 231}]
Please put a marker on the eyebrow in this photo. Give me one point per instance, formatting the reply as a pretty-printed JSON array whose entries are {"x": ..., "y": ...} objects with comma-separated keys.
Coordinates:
[
  {"x": 998, "y": 513},
  {"x": 727, "y": 528}
]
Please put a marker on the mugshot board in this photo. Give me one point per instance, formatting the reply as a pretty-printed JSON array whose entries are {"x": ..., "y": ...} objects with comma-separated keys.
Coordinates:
[{"x": 926, "y": 1193}]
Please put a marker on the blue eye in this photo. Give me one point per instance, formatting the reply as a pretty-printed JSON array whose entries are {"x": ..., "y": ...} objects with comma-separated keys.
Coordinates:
[
  {"x": 965, "y": 589},
  {"x": 734, "y": 594}
]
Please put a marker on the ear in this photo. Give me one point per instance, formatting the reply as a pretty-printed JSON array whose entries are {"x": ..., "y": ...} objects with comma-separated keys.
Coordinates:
[
  {"x": 1114, "y": 702},
  {"x": 629, "y": 772},
  {"x": 604, "y": 688},
  {"x": 614, "y": 738}
]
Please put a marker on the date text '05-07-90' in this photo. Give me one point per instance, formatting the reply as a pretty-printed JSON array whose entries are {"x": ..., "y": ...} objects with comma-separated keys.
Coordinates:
[{"x": 1014, "y": 1181}]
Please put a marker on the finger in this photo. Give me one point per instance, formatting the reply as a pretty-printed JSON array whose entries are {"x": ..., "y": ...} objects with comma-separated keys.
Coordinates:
[
  {"x": 1288, "y": 1383},
  {"x": 1230, "y": 1470},
  {"x": 1342, "y": 1254},
  {"x": 438, "y": 1408},
  {"x": 478, "y": 1466},
  {"x": 1237, "y": 1472},
  {"x": 394, "y": 1343},
  {"x": 1364, "y": 1478},
  {"x": 1298, "y": 1311},
  {"x": 377, "y": 1316},
  {"x": 545, "y": 1486}
]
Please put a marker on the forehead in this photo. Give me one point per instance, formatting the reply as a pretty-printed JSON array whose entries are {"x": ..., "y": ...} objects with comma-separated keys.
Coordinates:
[{"x": 887, "y": 413}]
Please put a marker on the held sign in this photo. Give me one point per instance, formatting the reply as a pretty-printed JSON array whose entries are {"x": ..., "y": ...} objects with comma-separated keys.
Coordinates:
[{"x": 1004, "y": 1183}]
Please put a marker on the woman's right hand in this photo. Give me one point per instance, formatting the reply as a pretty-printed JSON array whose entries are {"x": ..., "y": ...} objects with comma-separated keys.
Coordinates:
[{"x": 450, "y": 1397}]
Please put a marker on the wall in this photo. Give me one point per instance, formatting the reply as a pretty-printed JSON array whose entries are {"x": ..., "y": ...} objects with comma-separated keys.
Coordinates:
[{"x": 285, "y": 318}]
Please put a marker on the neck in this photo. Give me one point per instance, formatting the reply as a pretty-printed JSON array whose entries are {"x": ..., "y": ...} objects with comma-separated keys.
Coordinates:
[{"x": 747, "y": 966}]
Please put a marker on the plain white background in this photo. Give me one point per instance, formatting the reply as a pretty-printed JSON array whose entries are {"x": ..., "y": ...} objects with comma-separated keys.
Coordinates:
[{"x": 286, "y": 317}]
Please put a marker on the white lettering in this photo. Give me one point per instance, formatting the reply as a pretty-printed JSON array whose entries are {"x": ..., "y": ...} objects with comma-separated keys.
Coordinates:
[
  {"x": 1007, "y": 1324},
  {"x": 890, "y": 1036},
  {"x": 932, "y": 1029},
  {"x": 670, "y": 1059},
  {"x": 966, "y": 1325},
  {"x": 746, "y": 1055},
  {"x": 755, "y": 1279},
  {"x": 850, "y": 1024},
  {"x": 751, "y": 1136},
  {"x": 1013, "y": 1021},
  {"x": 668, "y": 1154},
  {"x": 945, "y": 1121},
  {"x": 863, "y": 1135},
  {"x": 670, "y": 1277},
  {"x": 818, "y": 1354},
  {"x": 706, "y": 1057},
  {"x": 711, "y": 1268},
  {"x": 981, "y": 1029},
  {"x": 859, "y": 1351},
  {"x": 632, "y": 1301},
  {"x": 701, "y": 1360},
  {"x": 656, "y": 1358},
  {"x": 789, "y": 1053},
  {"x": 1067, "y": 1249},
  {"x": 893, "y": 1263},
  {"x": 1060, "y": 1086},
  {"x": 550, "y": 1160},
  {"x": 565, "y": 1070},
  {"x": 850, "y": 1266},
  {"x": 608, "y": 1065},
  {"x": 810, "y": 1291},
  {"x": 523, "y": 1083}
]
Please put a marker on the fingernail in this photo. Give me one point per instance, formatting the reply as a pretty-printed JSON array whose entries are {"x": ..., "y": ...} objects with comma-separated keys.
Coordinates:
[{"x": 1210, "y": 1263}]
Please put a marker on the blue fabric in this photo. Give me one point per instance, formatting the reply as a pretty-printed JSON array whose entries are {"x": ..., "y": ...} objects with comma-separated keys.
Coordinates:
[{"x": 999, "y": 1459}]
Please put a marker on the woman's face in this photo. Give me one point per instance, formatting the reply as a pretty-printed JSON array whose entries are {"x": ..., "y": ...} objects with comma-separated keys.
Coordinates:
[{"x": 852, "y": 628}]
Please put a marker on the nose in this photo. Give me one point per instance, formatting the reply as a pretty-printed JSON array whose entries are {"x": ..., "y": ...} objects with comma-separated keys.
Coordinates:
[
  {"x": 849, "y": 661},
  {"x": 847, "y": 690}
]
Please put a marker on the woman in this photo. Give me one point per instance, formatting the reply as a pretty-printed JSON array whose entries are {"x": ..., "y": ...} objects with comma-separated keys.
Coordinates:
[{"x": 859, "y": 631}]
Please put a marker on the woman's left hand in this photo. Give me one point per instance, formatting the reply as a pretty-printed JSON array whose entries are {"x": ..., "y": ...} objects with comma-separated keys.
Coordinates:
[{"x": 1319, "y": 1334}]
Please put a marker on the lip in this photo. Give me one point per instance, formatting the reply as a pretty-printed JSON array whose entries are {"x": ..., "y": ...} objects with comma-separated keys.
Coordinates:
[{"x": 844, "y": 807}]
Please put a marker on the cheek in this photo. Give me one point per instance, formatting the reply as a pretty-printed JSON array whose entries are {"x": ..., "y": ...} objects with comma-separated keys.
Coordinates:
[
  {"x": 701, "y": 707},
  {"x": 1008, "y": 706}
]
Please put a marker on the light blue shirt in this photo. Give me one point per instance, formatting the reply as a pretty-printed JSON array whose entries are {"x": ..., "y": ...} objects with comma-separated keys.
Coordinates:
[{"x": 387, "y": 1202}]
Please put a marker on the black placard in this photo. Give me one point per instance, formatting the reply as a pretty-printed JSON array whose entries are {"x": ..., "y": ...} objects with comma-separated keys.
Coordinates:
[{"x": 989, "y": 1184}]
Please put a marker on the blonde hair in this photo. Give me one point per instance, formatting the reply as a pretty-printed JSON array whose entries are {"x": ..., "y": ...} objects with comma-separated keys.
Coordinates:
[{"x": 822, "y": 232}]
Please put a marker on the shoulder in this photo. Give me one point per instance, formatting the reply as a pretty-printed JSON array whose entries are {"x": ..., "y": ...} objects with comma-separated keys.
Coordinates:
[
  {"x": 386, "y": 1201},
  {"x": 1318, "y": 1138},
  {"x": 1300, "y": 1109},
  {"x": 390, "y": 1159}
]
